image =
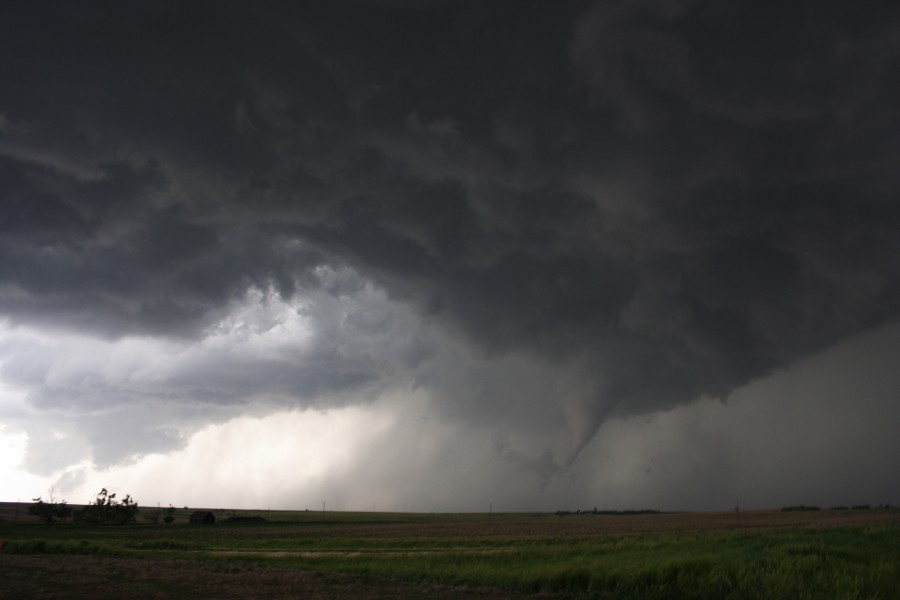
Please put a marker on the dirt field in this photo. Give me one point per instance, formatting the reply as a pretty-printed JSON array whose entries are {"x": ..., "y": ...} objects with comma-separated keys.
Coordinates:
[
  {"x": 522, "y": 526},
  {"x": 514, "y": 526},
  {"x": 73, "y": 577}
]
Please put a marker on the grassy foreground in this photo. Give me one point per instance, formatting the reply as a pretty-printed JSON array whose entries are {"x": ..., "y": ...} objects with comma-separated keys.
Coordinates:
[{"x": 855, "y": 554}]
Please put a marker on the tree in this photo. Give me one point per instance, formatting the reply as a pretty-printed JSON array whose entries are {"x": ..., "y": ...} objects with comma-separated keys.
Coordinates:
[
  {"x": 106, "y": 510},
  {"x": 47, "y": 511}
]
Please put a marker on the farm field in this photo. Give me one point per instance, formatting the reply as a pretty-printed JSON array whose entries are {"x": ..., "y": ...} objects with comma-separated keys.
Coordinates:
[{"x": 294, "y": 554}]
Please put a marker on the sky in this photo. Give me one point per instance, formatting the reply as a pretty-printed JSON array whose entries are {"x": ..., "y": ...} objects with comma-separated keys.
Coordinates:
[{"x": 450, "y": 256}]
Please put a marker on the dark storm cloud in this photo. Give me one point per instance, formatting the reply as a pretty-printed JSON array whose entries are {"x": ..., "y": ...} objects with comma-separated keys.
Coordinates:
[
  {"x": 661, "y": 200},
  {"x": 116, "y": 254}
]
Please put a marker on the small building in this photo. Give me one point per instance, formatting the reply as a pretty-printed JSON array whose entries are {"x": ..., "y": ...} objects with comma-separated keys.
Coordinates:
[{"x": 203, "y": 517}]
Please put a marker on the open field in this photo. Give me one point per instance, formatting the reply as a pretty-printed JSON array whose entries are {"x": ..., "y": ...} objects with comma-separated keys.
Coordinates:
[{"x": 774, "y": 554}]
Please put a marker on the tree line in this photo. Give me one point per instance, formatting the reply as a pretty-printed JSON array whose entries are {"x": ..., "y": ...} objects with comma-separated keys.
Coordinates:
[{"x": 105, "y": 509}]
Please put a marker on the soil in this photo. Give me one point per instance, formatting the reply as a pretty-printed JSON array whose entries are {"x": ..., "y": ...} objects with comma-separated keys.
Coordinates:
[{"x": 49, "y": 577}]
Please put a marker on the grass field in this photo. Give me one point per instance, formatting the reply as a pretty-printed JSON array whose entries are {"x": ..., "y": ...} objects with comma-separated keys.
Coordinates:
[{"x": 767, "y": 554}]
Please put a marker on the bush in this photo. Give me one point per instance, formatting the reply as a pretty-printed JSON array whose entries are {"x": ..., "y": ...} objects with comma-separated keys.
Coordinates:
[{"x": 243, "y": 519}]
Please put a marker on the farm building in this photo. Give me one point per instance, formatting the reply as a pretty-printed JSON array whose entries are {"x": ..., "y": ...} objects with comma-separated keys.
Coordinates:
[{"x": 203, "y": 517}]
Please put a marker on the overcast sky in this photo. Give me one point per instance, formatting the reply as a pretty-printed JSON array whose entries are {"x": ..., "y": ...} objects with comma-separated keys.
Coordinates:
[{"x": 441, "y": 256}]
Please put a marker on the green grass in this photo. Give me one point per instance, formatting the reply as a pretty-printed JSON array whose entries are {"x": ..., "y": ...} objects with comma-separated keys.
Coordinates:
[
  {"x": 838, "y": 562},
  {"x": 808, "y": 564}
]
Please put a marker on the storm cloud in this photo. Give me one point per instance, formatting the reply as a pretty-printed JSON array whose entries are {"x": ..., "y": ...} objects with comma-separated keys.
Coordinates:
[{"x": 538, "y": 220}]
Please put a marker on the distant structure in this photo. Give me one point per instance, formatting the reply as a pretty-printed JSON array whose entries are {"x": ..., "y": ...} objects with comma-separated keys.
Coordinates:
[{"x": 203, "y": 517}]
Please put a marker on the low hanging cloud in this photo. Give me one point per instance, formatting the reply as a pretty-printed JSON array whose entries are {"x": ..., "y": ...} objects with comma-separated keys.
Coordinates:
[
  {"x": 543, "y": 218},
  {"x": 821, "y": 430}
]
